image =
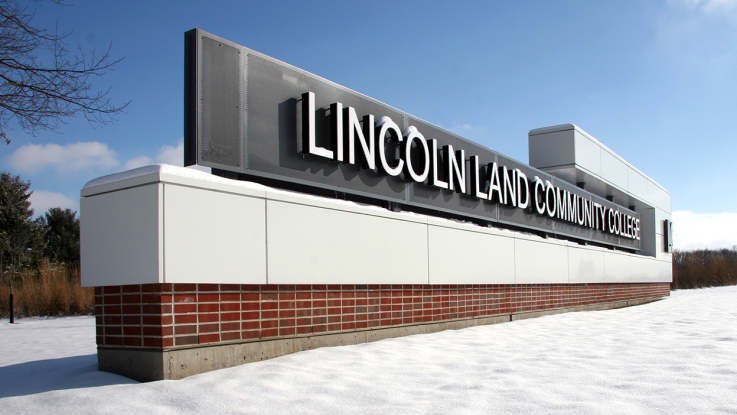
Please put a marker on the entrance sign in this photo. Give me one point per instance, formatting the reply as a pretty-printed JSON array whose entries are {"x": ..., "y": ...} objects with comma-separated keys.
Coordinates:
[
  {"x": 194, "y": 272},
  {"x": 251, "y": 117}
]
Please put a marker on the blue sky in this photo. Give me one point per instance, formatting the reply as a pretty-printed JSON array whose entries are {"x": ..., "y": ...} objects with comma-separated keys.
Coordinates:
[{"x": 655, "y": 81}]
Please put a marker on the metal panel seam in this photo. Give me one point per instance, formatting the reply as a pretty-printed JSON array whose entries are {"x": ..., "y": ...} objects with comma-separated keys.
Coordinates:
[
  {"x": 568, "y": 263},
  {"x": 427, "y": 244},
  {"x": 514, "y": 260},
  {"x": 162, "y": 232},
  {"x": 266, "y": 237}
]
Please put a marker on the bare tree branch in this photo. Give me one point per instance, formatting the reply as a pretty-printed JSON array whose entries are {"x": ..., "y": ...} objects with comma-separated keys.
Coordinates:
[{"x": 38, "y": 96}]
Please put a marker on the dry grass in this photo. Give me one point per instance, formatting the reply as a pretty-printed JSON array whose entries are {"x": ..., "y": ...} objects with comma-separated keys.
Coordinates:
[
  {"x": 704, "y": 268},
  {"x": 54, "y": 290}
]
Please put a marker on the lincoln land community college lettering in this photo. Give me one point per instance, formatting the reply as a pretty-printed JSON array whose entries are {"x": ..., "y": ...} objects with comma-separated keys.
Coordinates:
[{"x": 420, "y": 160}]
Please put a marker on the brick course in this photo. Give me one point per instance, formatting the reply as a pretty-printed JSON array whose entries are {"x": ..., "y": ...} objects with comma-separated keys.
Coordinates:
[{"x": 166, "y": 316}]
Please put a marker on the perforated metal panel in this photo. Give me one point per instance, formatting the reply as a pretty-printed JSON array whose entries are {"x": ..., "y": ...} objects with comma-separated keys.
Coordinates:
[
  {"x": 220, "y": 123},
  {"x": 190, "y": 97},
  {"x": 526, "y": 218},
  {"x": 428, "y": 197},
  {"x": 566, "y": 228},
  {"x": 247, "y": 113},
  {"x": 626, "y": 241},
  {"x": 274, "y": 106},
  {"x": 601, "y": 236}
]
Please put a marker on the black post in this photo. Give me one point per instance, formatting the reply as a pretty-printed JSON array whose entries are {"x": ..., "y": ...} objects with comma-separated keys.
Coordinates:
[{"x": 12, "y": 320}]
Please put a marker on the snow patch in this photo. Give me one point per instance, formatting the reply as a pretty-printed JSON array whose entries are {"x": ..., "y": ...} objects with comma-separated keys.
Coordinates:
[{"x": 675, "y": 356}]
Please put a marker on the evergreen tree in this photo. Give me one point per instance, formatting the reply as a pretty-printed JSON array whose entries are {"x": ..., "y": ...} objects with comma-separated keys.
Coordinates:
[
  {"x": 62, "y": 235},
  {"x": 21, "y": 237}
]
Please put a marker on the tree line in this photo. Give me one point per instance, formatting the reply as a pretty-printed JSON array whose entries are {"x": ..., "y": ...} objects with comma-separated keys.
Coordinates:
[
  {"x": 26, "y": 241},
  {"x": 704, "y": 268}
]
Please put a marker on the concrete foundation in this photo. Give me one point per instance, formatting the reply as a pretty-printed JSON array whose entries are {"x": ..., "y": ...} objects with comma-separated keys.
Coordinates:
[{"x": 147, "y": 365}]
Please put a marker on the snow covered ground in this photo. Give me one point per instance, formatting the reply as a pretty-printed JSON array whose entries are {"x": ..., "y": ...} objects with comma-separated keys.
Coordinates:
[{"x": 678, "y": 355}]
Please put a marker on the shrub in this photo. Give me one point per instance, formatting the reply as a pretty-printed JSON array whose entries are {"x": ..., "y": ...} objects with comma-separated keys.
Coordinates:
[{"x": 704, "y": 268}]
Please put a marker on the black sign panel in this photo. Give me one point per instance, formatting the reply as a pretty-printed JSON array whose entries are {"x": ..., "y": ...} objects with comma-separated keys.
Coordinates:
[{"x": 251, "y": 116}]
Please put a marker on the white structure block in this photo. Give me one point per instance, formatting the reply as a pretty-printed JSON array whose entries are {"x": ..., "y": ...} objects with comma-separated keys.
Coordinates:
[
  {"x": 316, "y": 245},
  {"x": 166, "y": 224},
  {"x": 539, "y": 262},
  {"x": 614, "y": 170},
  {"x": 205, "y": 230},
  {"x": 588, "y": 153},
  {"x": 122, "y": 237},
  {"x": 460, "y": 254},
  {"x": 617, "y": 268},
  {"x": 585, "y": 265}
]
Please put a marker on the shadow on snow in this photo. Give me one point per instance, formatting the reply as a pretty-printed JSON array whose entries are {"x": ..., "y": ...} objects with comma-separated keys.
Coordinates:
[{"x": 55, "y": 374}]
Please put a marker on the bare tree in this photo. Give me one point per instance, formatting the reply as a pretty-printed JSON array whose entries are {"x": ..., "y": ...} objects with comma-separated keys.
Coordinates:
[{"x": 37, "y": 95}]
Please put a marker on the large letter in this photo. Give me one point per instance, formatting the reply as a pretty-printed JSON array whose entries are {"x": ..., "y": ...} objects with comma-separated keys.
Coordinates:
[
  {"x": 571, "y": 202},
  {"x": 385, "y": 127},
  {"x": 588, "y": 214},
  {"x": 455, "y": 170},
  {"x": 493, "y": 183},
  {"x": 522, "y": 178},
  {"x": 434, "y": 180},
  {"x": 308, "y": 128},
  {"x": 548, "y": 202},
  {"x": 336, "y": 115},
  {"x": 595, "y": 214},
  {"x": 612, "y": 222},
  {"x": 411, "y": 134},
  {"x": 509, "y": 187},
  {"x": 475, "y": 182},
  {"x": 562, "y": 203},
  {"x": 580, "y": 214},
  {"x": 355, "y": 131},
  {"x": 637, "y": 229},
  {"x": 539, "y": 187}
]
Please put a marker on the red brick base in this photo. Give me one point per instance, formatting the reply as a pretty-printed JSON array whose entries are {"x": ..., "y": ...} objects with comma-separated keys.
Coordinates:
[{"x": 165, "y": 316}]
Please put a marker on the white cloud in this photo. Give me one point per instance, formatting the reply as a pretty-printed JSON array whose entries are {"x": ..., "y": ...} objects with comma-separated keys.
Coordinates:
[
  {"x": 41, "y": 201},
  {"x": 709, "y": 6},
  {"x": 704, "y": 230},
  {"x": 173, "y": 155},
  {"x": 31, "y": 158},
  {"x": 139, "y": 161}
]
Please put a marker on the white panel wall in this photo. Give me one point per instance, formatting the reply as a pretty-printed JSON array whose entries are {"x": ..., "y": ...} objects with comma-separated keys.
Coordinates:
[
  {"x": 662, "y": 271},
  {"x": 659, "y": 197},
  {"x": 190, "y": 229},
  {"x": 461, "y": 256},
  {"x": 588, "y": 154},
  {"x": 640, "y": 269},
  {"x": 315, "y": 245},
  {"x": 617, "y": 268},
  {"x": 205, "y": 230},
  {"x": 540, "y": 262},
  {"x": 637, "y": 184},
  {"x": 585, "y": 265},
  {"x": 614, "y": 170},
  {"x": 120, "y": 237}
]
